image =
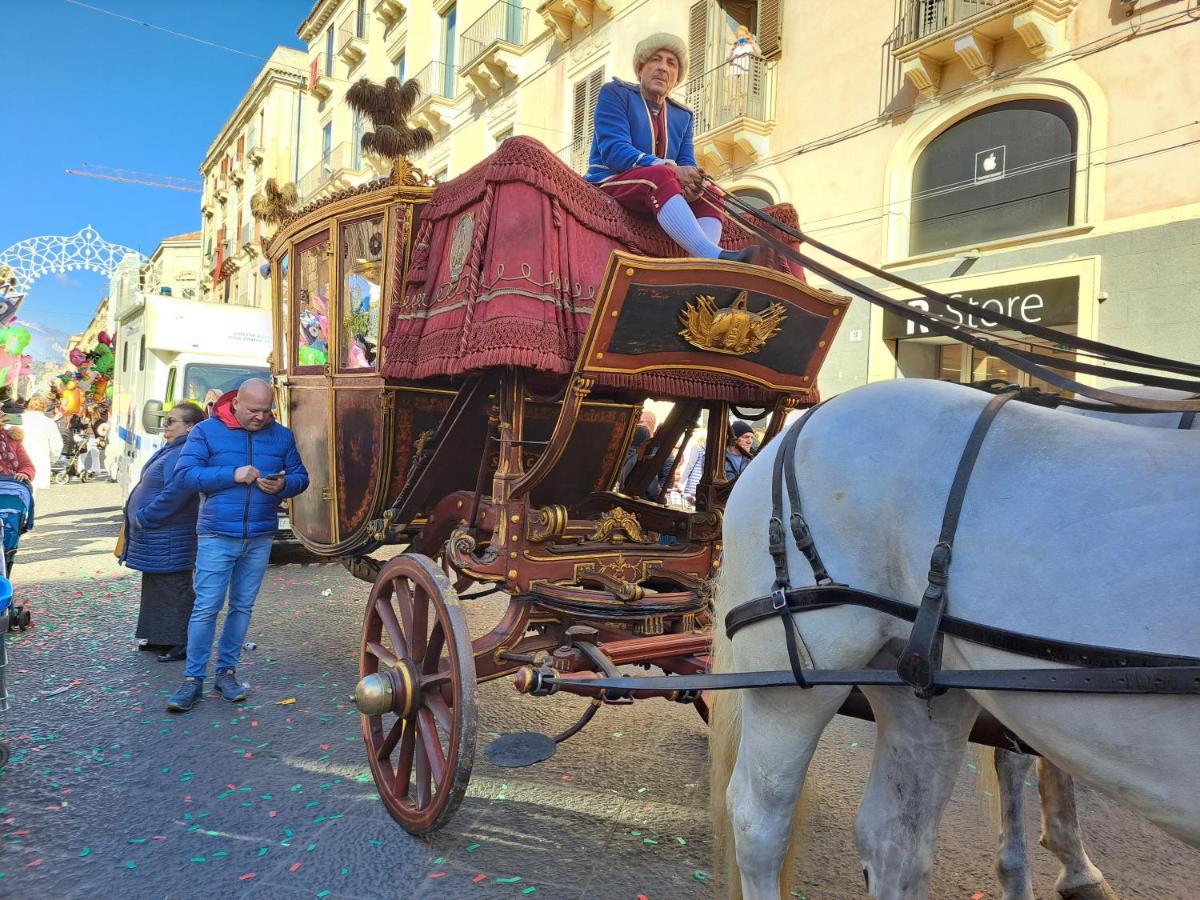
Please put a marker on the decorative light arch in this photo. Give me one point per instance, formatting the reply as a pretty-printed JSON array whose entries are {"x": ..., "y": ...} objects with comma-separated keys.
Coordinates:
[{"x": 25, "y": 262}]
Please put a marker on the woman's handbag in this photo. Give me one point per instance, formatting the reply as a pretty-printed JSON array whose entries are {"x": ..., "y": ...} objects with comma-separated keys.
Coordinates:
[{"x": 119, "y": 549}]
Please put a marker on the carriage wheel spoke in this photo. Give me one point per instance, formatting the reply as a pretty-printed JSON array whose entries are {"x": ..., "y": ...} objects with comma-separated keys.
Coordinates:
[
  {"x": 389, "y": 742},
  {"x": 423, "y": 794},
  {"x": 382, "y": 653},
  {"x": 435, "y": 679},
  {"x": 387, "y": 616},
  {"x": 433, "y": 652},
  {"x": 432, "y": 745},
  {"x": 437, "y": 705},
  {"x": 404, "y": 763},
  {"x": 419, "y": 634}
]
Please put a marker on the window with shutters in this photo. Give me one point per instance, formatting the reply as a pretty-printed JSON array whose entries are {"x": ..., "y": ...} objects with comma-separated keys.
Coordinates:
[
  {"x": 713, "y": 25},
  {"x": 583, "y": 118}
]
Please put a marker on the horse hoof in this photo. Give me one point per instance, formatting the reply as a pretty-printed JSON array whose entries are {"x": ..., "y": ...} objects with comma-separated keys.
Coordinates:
[{"x": 1100, "y": 890}]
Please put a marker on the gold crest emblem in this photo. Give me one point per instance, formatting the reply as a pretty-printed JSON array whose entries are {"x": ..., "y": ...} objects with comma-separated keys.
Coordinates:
[{"x": 734, "y": 330}]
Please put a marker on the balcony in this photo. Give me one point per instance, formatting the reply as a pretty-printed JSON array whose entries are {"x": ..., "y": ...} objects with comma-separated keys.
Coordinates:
[
  {"x": 237, "y": 176},
  {"x": 320, "y": 77},
  {"x": 491, "y": 49},
  {"x": 389, "y": 12},
  {"x": 338, "y": 169},
  {"x": 256, "y": 154},
  {"x": 221, "y": 192},
  {"x": 562, "y": 17},
  {"x": 351, "y": 47},
  {"x": 734, "y": 106},
  {"x": 575, "y": 154},
  {"x": 247, "y": 236},
  {"x": 436, "y": 105},
  {"x": 932, "y": 33}
]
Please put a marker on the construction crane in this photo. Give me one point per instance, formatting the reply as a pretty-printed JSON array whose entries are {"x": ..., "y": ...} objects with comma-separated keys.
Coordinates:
[{"x": 129, "y": 177}]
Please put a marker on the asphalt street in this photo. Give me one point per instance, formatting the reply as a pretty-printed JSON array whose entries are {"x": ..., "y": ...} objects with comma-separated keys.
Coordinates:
[{"x": 108, "y": 795}]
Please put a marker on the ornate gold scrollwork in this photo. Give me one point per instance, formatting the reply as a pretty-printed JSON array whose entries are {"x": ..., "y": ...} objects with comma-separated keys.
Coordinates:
[
  {"x": 545, "y": 523},
  {"x": 734, "y": 330},
  {"x": 404, "y": 172},
  {"x": 616, "y": 525}
]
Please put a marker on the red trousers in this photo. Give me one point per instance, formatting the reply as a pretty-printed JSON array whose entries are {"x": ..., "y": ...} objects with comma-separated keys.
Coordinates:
[{"x": 645, "y": 189}]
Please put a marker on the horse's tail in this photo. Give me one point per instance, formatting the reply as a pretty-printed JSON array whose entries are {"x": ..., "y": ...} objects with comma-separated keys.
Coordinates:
[
  {"x": 724, "y": 737},
  {"x": 988, "y": 783}
]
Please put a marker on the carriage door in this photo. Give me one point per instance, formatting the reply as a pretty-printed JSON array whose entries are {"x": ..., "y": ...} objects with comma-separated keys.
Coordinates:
[
  {"x": 360, "y": 404},
  {"x": 308, "y": 390}
]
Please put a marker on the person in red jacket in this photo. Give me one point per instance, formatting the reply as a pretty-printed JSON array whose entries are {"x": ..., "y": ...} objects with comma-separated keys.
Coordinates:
[{"x": 14, "y": 461}]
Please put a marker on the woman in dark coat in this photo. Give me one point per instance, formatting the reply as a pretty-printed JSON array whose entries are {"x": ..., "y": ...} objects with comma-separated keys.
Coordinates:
[{"x": 160, "y": 539}]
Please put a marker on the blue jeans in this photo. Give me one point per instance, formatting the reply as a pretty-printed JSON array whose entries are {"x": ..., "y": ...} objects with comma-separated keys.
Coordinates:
[{"x": 224, "y": 566}]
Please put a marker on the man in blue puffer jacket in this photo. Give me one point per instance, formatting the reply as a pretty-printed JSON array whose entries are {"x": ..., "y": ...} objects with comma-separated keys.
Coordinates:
[{"x": 243, "y": 464}]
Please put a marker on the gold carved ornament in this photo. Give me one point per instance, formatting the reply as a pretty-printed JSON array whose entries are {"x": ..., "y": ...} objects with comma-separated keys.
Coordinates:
[
  {"x": 735, "y": 330},
  {"x": 616, "y": 525}
]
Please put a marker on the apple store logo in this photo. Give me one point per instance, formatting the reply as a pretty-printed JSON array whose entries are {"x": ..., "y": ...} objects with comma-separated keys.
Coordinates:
[{"x": 989, "y": 164}]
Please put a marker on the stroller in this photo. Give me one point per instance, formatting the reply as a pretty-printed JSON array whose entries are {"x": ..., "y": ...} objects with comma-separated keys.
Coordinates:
[
  {"x": 16, "y": 518},
  {"x": 72, "y": 463}
]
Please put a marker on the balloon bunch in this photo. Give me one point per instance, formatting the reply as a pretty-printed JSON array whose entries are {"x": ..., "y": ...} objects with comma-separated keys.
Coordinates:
[
  {"x": 91, "y": 382},
  {"x": 14, "y": 361}
]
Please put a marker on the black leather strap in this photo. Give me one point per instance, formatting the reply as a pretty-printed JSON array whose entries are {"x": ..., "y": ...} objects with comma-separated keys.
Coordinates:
[
  {"x": 1186, "y": 420},
  {"x": 1167, "y": 680},
  {"x": 923, "y": 654},
  {"x": 785, "y": 468},
  {"x": 812, "y": 597}
]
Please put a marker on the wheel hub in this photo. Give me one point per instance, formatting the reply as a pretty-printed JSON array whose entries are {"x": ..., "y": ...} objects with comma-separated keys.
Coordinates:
[{"x": 388, "y": 690}]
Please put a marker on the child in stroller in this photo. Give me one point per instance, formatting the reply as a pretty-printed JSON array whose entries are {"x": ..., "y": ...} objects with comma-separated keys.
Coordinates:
[{"x": 16, "y": 517}]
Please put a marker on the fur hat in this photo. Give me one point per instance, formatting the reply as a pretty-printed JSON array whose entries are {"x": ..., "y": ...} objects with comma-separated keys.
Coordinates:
[{"x": 647, "y": 47}]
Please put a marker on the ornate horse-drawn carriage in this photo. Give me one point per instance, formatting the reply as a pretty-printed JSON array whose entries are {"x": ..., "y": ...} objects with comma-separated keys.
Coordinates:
[{"x": 464, "y": 367}]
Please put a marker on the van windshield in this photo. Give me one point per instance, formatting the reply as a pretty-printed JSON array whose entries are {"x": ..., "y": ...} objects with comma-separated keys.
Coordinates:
[{"x": 205, "y": 382}]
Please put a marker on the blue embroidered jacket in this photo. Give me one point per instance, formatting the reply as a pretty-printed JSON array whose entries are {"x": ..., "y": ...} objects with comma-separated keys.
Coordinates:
[{"x": 624, "y": 133}]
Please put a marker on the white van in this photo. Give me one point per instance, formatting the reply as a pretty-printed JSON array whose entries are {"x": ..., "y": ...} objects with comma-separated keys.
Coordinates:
[{"x": 169, "y": 351}]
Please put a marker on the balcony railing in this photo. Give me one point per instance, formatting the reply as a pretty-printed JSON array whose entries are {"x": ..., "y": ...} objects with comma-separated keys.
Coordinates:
[
  {"x": 576, "y": 153},
  {"x": 247, "y": 235},
  {"x": 504, "y": 22},
  {"x": 320, "y": 76},
  {"x": 436, "y": 80},
  {"x": 741, "y": 89},
  {"x": 337, "y": 166},
  {"x": 921, "y": 18},
  {"x": 352, "y": 46}
]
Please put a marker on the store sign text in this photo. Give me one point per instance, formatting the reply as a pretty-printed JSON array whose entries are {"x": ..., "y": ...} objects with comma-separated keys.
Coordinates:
[{"x": 1054, "y": 301}]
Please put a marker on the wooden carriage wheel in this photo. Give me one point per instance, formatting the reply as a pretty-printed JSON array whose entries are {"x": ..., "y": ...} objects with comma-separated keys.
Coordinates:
[{"x": 416, "y": 693}]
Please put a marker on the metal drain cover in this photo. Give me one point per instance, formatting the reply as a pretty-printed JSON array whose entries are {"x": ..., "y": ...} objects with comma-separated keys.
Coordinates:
[{"x": 524, "y": 748}]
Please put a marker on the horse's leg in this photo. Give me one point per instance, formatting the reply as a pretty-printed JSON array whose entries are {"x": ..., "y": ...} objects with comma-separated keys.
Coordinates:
[
  {"x": 1012, "y": 863},
  {"x": 1061, "y": 835},
  {"x": 780, "y": 730},
  {"x": 919, "y": 750}
]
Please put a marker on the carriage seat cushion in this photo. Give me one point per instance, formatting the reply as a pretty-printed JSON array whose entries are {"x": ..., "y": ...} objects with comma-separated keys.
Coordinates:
[{"x": 506, "y": 264}]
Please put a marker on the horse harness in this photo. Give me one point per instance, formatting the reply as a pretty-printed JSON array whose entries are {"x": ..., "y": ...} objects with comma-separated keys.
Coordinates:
[{"x": 1103, "y": 669}]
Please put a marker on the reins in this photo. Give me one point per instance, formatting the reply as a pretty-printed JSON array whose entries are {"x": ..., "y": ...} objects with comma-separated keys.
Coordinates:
[{"x": 1039, "y": 365}]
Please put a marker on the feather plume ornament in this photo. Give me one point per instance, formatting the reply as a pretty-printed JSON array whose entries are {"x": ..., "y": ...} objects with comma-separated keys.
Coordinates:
[
  {"x": 275, "y": 203},
  {"x": 387, "y": 106}
]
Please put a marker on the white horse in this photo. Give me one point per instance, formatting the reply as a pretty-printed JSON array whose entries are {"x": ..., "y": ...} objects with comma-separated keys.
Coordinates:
[
  {"x": 1068, "y": 527},
  {"x": 1006, "y": 771}
]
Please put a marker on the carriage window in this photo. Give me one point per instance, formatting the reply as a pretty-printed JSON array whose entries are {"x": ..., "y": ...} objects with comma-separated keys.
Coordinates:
[
  {"x": 284, "y": 322},
  {"x": 362, "y": 288},
  {"x": 312, "y": 305}
]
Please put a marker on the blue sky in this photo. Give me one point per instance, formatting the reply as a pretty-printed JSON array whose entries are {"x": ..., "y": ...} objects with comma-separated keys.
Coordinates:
[{"x": 82, "y": 87}]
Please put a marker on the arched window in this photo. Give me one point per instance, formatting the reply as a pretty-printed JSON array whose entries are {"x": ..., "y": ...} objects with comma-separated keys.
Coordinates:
[
  {"x": 756, "y": 197},
  {"x": 1005, "y": 170}
]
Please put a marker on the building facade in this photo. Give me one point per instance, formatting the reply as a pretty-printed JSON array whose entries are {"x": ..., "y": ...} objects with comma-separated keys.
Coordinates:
[
  {"x": 1034, "y": 156},
  {"x": 259, "y": 141}
]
